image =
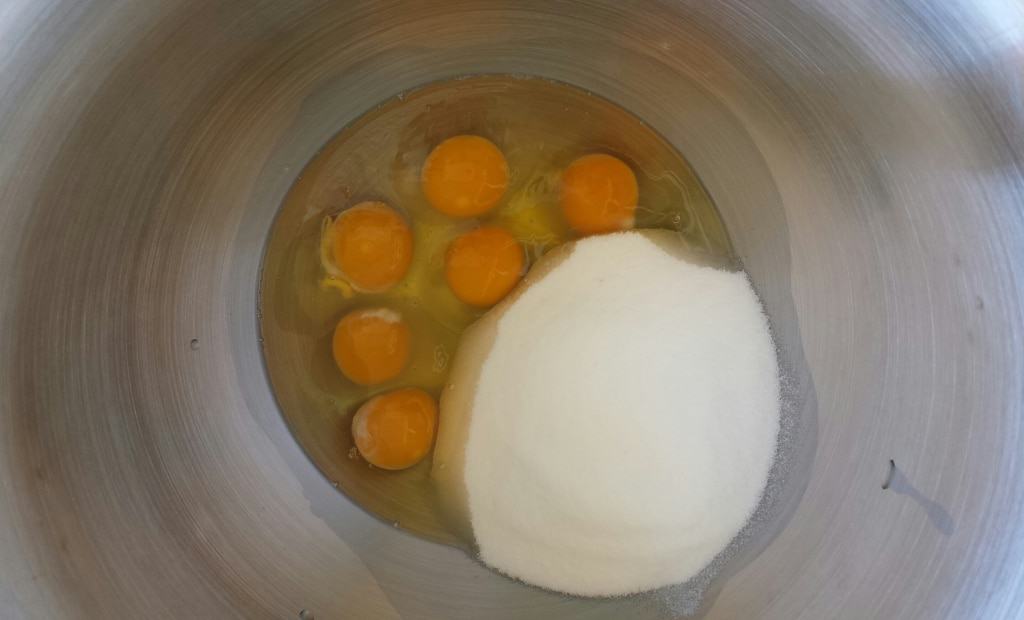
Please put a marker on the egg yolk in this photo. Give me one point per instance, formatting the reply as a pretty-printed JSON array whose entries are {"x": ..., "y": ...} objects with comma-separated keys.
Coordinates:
[
  {"x": 599, "y": 194},
  {"x": 483, "y": 265},
  {"x": 372, "y": 246},
  {"x": 371, "y": 346},
  {"x": 465, "y": 176},
  {"x": 395, "y": 430}
]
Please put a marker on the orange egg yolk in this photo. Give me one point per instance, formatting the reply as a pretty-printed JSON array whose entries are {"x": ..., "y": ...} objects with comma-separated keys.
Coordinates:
[
  {"x": 371, "y": 346},
  {"x": 372, "y": 246},
  {"x": 599, "y": 194},
  {"x": 465, "y": 176},
  {"x": 395, "y": 430},
  {"x": 483, "y": 265}
]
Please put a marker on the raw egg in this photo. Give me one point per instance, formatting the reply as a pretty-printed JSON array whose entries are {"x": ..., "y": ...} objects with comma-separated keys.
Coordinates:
[
  {"x": 599, "y": 194},
  {"x": 371, "y": 346},
  {"x": 395, "y": 430},
  {"x": 464, "y": 176},
  {"x": 370, "y": 245},
  {"x": 483, "y": 265}
]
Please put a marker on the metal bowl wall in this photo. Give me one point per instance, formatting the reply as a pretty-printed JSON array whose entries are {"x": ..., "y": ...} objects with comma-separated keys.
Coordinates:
[{"x": 868, "y": 159}]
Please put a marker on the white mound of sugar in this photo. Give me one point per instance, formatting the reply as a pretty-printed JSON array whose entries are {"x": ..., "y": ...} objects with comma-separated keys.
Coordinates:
[{"x": 624, "y": 420}]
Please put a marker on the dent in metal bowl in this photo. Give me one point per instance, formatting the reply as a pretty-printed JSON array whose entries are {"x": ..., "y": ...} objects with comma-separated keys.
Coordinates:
[{"x": 866, "y": 160}]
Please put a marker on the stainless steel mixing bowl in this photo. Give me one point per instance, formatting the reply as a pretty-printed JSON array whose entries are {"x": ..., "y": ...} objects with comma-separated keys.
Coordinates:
[{"x": 868, "y": 158}]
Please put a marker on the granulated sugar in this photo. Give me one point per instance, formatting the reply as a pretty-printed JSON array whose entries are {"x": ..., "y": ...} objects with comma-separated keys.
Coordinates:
[{"x": 624, "y": 419}]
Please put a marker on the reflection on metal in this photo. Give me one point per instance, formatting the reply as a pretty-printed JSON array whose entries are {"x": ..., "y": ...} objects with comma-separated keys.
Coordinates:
[{"x": 865, "y": 157}]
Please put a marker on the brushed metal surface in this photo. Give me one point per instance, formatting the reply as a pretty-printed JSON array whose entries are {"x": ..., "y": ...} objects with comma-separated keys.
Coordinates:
[{"x": 868, "y": 159}]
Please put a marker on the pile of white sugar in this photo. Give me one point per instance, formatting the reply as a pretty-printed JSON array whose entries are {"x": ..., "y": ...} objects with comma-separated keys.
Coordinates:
[{"x": 623, "y": 418}]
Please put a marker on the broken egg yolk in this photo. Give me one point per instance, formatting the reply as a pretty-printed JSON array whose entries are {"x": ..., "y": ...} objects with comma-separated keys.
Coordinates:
[
  {"x": 464, "y": 176},
  {"x": 395, "y": 430},
  {"x": 599, "y": 194},
  {"x": 370, "y": 246},
  {"x": 483, "y": 265},
  {"x": 371, "y": 346}
]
